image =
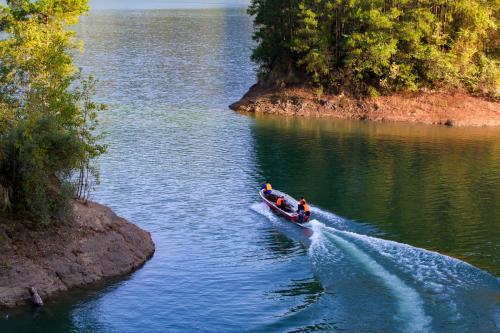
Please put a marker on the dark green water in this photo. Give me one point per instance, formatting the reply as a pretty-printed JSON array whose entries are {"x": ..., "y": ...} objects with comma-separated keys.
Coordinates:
[
  {"x": 432, "y": 187},
  {"x": 187, "y": 169}
]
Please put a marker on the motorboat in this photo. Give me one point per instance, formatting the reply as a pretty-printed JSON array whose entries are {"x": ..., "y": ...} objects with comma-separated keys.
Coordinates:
[{"x": 289, "y": 212}]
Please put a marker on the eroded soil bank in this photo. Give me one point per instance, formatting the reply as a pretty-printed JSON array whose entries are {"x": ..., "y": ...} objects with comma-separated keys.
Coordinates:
[
  {"x": 452, "y": 109},
  {"x": 96, "y": 244}
]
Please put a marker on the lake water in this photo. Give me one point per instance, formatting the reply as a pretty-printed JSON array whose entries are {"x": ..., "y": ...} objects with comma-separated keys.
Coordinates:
[{"x": 394, "y": 204}]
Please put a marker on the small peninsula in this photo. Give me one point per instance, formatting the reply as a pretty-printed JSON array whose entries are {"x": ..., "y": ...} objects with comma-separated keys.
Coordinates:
[
  {"x": 51, "y": 237},
  {"x": 94, "y": 244},
  {"x": 439, "y": 108}
]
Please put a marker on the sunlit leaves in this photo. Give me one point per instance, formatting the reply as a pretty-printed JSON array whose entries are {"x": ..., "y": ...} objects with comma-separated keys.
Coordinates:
[
  {"x": 390, "y": 45},
  {"x": 48, "y": 120}
]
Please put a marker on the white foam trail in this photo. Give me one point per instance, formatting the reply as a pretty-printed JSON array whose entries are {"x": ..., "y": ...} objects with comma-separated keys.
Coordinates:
[
  {"x": 342, "y": 223},
  {"x": 411, "y": 274},
  {"x": 436, "y": 274},
  {"x": 329, "y": 216},
  {"x": 423, "y": 264},
  {"x": 410, "y": 303},
  {"x": 263, "y": 209}
]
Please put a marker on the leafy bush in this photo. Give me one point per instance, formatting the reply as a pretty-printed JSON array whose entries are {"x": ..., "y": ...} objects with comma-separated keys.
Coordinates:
[{"x": 47, "y": 117}]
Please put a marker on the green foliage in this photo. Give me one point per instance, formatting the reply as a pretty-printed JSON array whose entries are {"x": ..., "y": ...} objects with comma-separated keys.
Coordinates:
[
  {"x": 275, "y": 30},
  {"x": 36, "y": 150},
  {"x": 47, "y": 117},
  {"x": 310, "y": 42},
  {"x": 383, "y": 46}
]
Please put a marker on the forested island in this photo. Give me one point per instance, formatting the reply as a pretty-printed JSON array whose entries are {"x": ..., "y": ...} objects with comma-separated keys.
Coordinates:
[
  {"x": 425, "y": 61},
  {"x": 51, "y": 237}
]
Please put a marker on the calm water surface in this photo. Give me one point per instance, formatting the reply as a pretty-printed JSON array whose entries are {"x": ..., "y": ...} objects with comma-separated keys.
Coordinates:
[{"x": 187, "y": 169}]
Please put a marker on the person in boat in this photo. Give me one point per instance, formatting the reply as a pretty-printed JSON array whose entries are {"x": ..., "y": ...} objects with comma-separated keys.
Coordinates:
[
  {"x": 303, "y": 207},
  {"x": 307, "y": 209},
  {"x": 268, "y": 189},
  {"x": 281, "y": 203},
  {"x": 300, "y": 207}
]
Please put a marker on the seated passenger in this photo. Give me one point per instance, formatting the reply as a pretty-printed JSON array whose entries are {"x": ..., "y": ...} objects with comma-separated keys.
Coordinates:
[
  {"x": 268, "y": 189},
  {"x": 281, "y": 203}
]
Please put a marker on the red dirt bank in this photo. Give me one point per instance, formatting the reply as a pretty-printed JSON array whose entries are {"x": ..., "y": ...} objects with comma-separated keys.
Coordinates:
[
  {"x": 95, "y": 244},
  {"x": 453, "y": 109}
]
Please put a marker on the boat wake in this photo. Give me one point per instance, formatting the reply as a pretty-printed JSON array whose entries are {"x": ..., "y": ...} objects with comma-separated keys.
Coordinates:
[
  {"x": 422, "y": 290},
  {"x": 410, "y": 305}
]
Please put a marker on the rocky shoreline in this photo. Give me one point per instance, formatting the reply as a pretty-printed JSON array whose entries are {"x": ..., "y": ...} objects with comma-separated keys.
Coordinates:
[
  {"x": 440, "y": 108},
  {"x": 96, "y": 244}
]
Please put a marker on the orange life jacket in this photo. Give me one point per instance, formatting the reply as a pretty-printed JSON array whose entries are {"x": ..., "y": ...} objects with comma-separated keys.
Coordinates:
[
  {"x": 306, "y": 207},
  {"x": 279, "y": 202},
  {"x": 269, "y": 187}
]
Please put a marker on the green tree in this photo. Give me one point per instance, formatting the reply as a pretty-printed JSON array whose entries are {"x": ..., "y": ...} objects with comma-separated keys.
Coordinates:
[
  {"x": 48, "y": 119},
  {"x": 371, "y": 46},
  {"x": 275, "y": 22},
  {"x": 312, "y": 39}
]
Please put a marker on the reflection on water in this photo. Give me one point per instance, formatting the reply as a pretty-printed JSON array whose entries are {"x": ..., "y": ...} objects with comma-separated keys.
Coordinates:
[{"x": 433, "y": 187}]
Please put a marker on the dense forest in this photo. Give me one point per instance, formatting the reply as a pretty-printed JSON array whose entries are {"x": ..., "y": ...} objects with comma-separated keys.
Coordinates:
[
  {"x": 47, "y": 116},
  {"x": 379, "y": 46}
]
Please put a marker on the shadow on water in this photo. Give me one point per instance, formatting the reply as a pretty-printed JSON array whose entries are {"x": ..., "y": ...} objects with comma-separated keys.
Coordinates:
[
  {"x": 432, "y": 187},
  {"x": 58, "y": 314}
]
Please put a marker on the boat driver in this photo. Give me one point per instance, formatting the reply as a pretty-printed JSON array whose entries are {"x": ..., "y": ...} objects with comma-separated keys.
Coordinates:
[{"x": 303, "y": 207}]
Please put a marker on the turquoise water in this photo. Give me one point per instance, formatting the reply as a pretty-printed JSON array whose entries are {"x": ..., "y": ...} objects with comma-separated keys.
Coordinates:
[{"x": 393, "y": 205}]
